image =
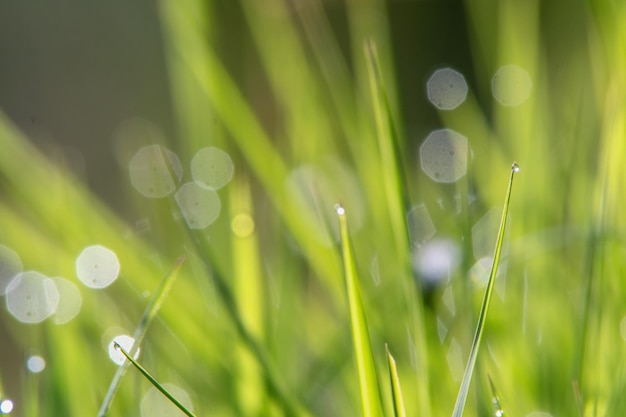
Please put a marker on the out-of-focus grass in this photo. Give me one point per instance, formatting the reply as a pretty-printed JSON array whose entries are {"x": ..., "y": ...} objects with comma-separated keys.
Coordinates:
[{"x": 279, "y": 342}]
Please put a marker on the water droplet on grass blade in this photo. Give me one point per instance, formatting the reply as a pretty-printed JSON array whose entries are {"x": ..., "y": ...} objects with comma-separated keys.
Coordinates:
[
  {"x": 155, "y": 404},
  {"x": 515, "y": 167},
  {"x": 212, "y": 168},
  {"x": 199, "y": 206},
  {"x": 446, "y": 89},
  {"x": 97, "y": 267},
  {"x": 443, "y": 155},
  {"x": 155, "y": 171},
  {"x": 340, "y": 210},
  {"x": 126, "y": 342},
  {"x": 31, "y": 297},
  {"x": 36, "y": 364}
]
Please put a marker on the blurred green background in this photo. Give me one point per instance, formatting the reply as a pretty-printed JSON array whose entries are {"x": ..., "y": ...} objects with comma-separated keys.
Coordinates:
[{"x": 256, "y": 322}]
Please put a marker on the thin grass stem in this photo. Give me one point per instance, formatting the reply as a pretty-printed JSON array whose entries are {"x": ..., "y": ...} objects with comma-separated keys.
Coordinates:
[
  {"x": 153, "y": 381},
  {"x": 471, "y": 362}
]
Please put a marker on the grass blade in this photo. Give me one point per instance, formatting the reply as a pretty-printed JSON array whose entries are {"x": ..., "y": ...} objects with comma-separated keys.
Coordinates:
[
  {"x": 153, "y": 380},
  {"x": 396, "y": 390},
  {"x": 396, "y": 200},
  {"x": 495, "y": 399},
  {"x": 149, "y": 313},
  {"x": 368, "y": 382},
  {"x": 471, "y": 362}
]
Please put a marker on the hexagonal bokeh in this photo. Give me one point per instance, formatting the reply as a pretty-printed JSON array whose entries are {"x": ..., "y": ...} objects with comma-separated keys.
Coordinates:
[
  {"x": 511, "y": 85},
  {"x": 155, "y": 171},
  {"x": 443, "y": 155},
  {"x": 446, "y": 89}
]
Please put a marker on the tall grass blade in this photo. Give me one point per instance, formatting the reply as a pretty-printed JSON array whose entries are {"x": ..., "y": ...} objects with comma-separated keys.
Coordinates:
[
  {"x": 471, "y": 362},
  {"x": 396, "y": 201},
  {"x": 396, "y": 390},
  {"x": 368, "y": 382},
  {"x": 148, "y": 315},
  {"x": 153, "y": 381}
]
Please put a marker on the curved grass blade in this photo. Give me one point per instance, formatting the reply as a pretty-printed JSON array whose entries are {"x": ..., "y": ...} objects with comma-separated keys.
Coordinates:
[
  {"x": 396, "y": 390},
  {"x": 368, "y": 382},
  {"x": 148, "y": 315},
  {"x": 153, "y": 381},
  {"x": 471, "y": 362}
]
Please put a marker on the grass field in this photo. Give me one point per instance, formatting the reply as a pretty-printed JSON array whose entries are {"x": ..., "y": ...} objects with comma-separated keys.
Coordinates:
[{"x": 236, "y": 288}]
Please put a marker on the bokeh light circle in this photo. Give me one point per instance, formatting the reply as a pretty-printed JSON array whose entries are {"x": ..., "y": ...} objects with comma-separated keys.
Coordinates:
[
  {"x": 446, "y": 88},
  {"x": 212, "y": 168},
  {"x": 97, "y": 267},
  {"x": 31, "y": 297},
  {"x": 155, "y": 171},
  {"x": 511, "y": 85},
  {"x": 443, "y": 155},
  {"x": 126, "y": 342},
  {"x": 199, "y": 206}
]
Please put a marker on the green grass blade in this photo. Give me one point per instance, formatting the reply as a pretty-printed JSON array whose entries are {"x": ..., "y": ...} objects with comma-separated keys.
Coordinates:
[
  {"x": 368, "y": 382},
  {"x": 153, "y": 381},
  {"x": 396, "y": 390},
  {"x": 495, "y": 399},
  {"x": 471, "y": 362},
  {"x": 396, "y": 200},
  {"x": 149, "y": 313}
]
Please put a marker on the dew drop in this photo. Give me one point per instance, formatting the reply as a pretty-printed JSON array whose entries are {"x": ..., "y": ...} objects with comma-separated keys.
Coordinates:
[
  {"x": 126, "y": 342},
  {"x": 97, "y": 266},
  {"x": 156, "y": 404},
  {"x": 31, "y": 297},
  {"x": 212, "y": 168},
  {"x": 446, "y": 89},
  {"x": 443, "y": 155},
  {"x": 340, "y": 210},
  {"x": 515, "y": 167},
  {"x": 199, "y": 206}
]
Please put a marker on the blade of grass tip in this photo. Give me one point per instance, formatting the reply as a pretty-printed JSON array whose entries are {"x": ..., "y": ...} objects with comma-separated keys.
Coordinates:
[
  {"x": 495, "y": 399},
  {"x": 148, "y": 315},
  {"x": 153, "y": 381},
  {"x": 471, "y": 362},
  {"x": 396, "y": 390},
  {"x": 368, "y": 382}
]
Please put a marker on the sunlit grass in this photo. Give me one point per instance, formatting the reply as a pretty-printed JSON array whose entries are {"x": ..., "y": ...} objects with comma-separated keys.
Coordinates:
[{"x": 306, "y": 101}]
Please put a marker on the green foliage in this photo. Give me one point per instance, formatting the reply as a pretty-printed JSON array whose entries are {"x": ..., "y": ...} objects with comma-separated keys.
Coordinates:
[{"x": 312, "y": 114}]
